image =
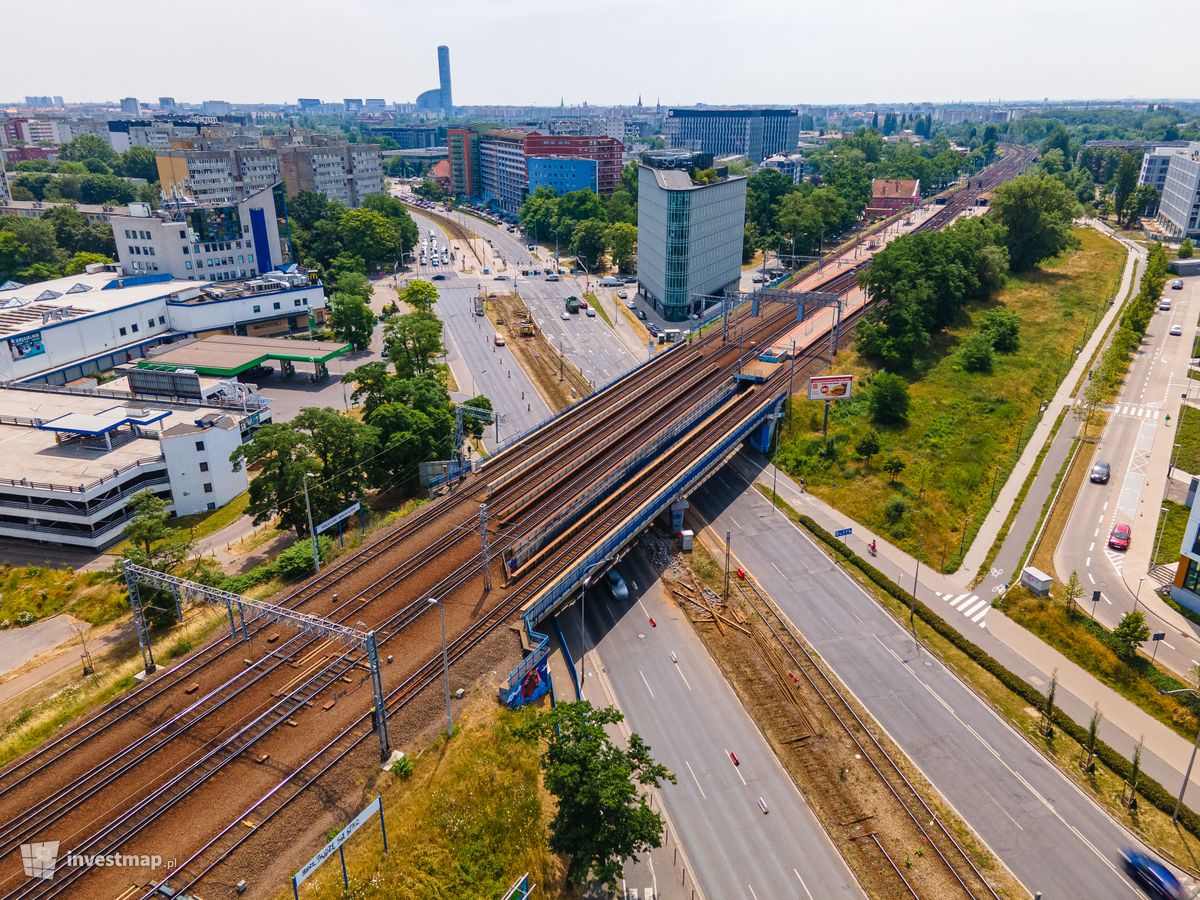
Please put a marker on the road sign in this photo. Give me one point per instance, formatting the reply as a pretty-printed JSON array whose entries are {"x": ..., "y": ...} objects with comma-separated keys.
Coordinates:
[
  {"x": 344, "y": 514},
  {"x": 1158, "y": 635},
  {"x": 842, "y": 532},
  {"x": 1095, "y": 596}
]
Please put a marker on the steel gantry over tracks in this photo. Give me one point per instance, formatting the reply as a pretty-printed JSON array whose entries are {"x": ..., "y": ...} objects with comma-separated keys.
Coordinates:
[{"x": 249, "y": 610}]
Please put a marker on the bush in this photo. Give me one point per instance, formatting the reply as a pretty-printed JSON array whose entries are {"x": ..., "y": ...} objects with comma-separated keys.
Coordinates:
[
  {"x": 296, "y": 562},
  {"x": 402, "y": 767},
  {"x": 887, "y": 398},
  {"x": 976, "y": 353},
  {"x": 1186, "y": 249},
  {"x": 895, "y": 511},
  {"x": 1002, "y": 328}
]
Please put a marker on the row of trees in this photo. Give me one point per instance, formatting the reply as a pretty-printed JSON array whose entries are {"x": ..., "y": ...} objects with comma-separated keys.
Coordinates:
[
  {"x": 407, "y": 417},
  {"x": 61, "y": 242},
  {"x": 88, "y": 170},
  {"x": 333, "y": 239},
  {"x": 591, "y": 227}
]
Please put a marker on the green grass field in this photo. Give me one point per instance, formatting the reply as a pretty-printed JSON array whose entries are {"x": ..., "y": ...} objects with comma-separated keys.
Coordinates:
[
  {"x": 1187, "y": 455},
  {"x": 29, "y": 593},
  {"x": 964, "y": 429},
  {"x": 1170, "y": 537}
]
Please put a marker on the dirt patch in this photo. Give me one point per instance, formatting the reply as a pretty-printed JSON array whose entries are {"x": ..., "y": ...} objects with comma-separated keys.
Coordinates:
[
  {"x": 882, "y": 845},
  {"x": 557, "y": 379}
]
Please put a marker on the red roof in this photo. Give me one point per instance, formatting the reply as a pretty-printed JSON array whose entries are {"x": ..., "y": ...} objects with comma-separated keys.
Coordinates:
[
  {"x": 895, "y": 188},
  {"x": 441, "y": 169}
]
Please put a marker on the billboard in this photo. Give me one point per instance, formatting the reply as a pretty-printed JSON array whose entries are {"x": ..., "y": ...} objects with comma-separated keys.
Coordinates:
[
  {"x": 24, "y": 345},
  {"x": 830, "y": 387}
]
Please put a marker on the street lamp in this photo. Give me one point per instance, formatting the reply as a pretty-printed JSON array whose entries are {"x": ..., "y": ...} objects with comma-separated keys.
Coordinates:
[
  {"x": 1138, "y": 593},
  {"x": 316, "y": 548},
  {"x": 433, "y": 601},
  {"x": 1188, "y": 774}
]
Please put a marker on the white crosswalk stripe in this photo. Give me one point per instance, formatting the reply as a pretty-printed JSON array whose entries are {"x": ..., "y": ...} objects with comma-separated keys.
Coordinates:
[
  {"x": 970, "y": 605},
  {"x": 1137, "y": 410}
]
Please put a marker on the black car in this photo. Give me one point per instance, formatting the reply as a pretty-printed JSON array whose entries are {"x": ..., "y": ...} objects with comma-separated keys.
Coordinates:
[
  {"x": 439, "y": 277},
  {"x": 1100, "y": 473},
  {"x": 632, "y": 280}
]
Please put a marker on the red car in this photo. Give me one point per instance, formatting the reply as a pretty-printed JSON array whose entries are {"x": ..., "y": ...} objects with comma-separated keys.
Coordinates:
[{"x": 1120, "y": 536}]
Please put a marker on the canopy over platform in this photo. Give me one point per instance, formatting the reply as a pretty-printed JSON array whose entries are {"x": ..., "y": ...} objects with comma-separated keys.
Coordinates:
[
  {"x": 228, "y": 355},
  {"x": 95, "y": 424}
]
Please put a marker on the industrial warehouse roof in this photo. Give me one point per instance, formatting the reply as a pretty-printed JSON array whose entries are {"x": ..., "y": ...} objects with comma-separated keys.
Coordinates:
[{"x": 227, "y": 355}]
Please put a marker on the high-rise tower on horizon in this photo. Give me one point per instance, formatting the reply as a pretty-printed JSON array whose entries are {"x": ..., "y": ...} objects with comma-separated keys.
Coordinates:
[{"x": 447, "y": 101}]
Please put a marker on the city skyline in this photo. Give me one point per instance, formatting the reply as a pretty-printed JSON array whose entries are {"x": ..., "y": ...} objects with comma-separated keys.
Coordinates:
[{"x": 610, "y": 53}]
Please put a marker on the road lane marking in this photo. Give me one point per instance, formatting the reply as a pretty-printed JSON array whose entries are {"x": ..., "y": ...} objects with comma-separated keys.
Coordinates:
[
  {"x": 1168, "y": 646},
  {"x": 780, "y": 571},
  {"x": 979, "y": 615},
  {"x": 959, "y": 599},
  {"x": 752, "y": 894},
  {"x": 645, "y": 682},
  {"x": 1090, "y": 578},
  {"x": 1092, "y": 547},
  {"x": 681, "y": 675},
  {"x": 695, "y": 779},
  {"x": 803, "y": 885},
  {"x": 1044, "y": 801},
  {"x": 735, "y": 521},
  {"x": 729, "y": 759},
  {"x": 974, "y": 605}
]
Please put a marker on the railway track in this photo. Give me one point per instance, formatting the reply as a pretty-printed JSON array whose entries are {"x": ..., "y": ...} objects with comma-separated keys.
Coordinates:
[
  {"x": 863, "y": 733},
  {"x": 534, "y": 474}
]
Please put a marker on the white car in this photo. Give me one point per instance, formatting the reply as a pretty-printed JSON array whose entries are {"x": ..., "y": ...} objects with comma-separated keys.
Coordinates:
[
  {"x": 566, "y": 316},
  {"x": 1176, "y": 330},
  {"x": 622, "y": 294}
]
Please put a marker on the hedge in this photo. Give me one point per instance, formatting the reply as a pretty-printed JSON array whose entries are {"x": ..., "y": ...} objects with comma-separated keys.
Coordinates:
[{"x": 1146, "y": 786}]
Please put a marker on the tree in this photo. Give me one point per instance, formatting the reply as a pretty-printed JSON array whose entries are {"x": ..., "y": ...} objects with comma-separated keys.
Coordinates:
[
  {"x": 40, "y": 242},
  {"x": 89, "y": 147},
  {"x": 893, "y": 465},
  {"x": 474, "y": 427},
  {"x": 351, "y": 320},
  {"x": 764, "y": 192},
  {"x": 388, "y": 206},
  {"x": 574, "y": 207},
  {"x": 1036, "y": 211},
  {"x": 413, "y": 341},
  {"x": 539, "y": 212},
  {"x": 75, "y": 235},
  {"x": 622, "y": 238},
  {"x": 307, "y": 208},
  {"x": 589, "y": 241},
  {"x": 1186, "y": 249},
  {"x": 603, "y": 818},
  {"x": 12, "y": 255},
  {"x": 352, "y": 283},
  {"x": 868, "y": 445},
  {"x": 330, "y": 446},
  {"x": 887, "y": 398},
  {"x": 419, "y": 294},
  {"x": 430, "y": 190},
  {"x": 80, "y": 261},
  {"x": 1141, "y": 202},
  {"x": 1125, "y": 180},
  {"x": 1072, "y": 592},
  {"x": 976, "y": 353},
  {"x": 621, "y": 207},
  {"x": 139, "y": 162},
  {"x": 152, "y": 542},
  {"x": 1002, "y": 328},
  {"x": 1129, "y": 633},
  {"x": 370, "y": 235},
  {"x": 105, "y": 188}
]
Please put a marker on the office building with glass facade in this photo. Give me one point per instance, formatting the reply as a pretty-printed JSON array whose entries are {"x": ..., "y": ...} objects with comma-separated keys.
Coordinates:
[{"x": 689, "y": 239}]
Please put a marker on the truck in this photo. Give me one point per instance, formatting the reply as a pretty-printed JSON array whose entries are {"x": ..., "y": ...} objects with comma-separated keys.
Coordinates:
[{"x": 572, "y": 304}]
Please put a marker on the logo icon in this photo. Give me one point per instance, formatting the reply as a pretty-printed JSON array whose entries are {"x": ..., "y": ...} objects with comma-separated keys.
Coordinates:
[{"x": 40, "y": 859}]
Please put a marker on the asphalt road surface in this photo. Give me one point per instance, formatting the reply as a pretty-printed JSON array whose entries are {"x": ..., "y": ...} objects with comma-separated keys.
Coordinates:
[
  {"x": 1053, "y": 837},
  {"x": 674, "y": 696},
  {"x": 1137, "y": 443}
]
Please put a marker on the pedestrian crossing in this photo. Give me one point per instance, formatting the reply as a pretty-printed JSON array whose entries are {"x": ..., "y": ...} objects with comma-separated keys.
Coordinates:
[
  {"x": 972, "y": 606},
  {"x": 1136, "y": 411}
]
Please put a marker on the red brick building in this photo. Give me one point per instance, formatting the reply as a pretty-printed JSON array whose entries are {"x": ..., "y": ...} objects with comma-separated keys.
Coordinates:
[
  {"x": 889, "y": 195},
  {"x": 608, "y": 152}
]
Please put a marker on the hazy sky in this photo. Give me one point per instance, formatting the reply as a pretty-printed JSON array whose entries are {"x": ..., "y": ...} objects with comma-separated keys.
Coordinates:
[{"x": 601, "y": 51}]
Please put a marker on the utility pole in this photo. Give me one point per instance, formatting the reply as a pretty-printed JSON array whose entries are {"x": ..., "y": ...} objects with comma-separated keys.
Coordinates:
[
  {"x": 433, "y": 601},
  {"x": 728, "y": 535},
  {"x": 316, "y": 547},
  {"x": 484, "y": 549}
]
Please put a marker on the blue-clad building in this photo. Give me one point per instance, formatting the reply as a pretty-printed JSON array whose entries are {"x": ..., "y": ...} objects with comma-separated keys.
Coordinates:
[{"x": 562, "y": 174}]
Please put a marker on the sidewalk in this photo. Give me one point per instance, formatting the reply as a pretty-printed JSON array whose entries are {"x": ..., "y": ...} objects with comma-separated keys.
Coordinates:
[
  {"x": 1063, "y": 399},
  {"x": 1166, "y": 754}
]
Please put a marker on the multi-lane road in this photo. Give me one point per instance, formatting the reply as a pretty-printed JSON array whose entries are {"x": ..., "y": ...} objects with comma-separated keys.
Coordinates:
[
  {"x": 1050, "y": 835},
  {"x": 675, "y": 696},
  {"x": 1137, "y": 443}
]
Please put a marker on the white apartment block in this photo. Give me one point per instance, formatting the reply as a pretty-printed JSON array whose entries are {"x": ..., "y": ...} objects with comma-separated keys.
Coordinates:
[
  {"x": 208, "y": 243},
  {"x": 337, "y": 169},
  {"x": 217, "y": 176},
  {"x": 1179, "y": 206}
]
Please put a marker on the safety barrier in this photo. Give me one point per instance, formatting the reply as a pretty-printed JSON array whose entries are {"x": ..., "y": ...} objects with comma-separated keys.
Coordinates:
[
  {"x": 554, "y": 595},
  {"x": 567, "y": 657},
  {"x": 518, "y": 556}
]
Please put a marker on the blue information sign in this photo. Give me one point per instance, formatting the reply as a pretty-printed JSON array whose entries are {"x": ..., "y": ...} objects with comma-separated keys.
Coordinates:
[{"x": 842, "y": 532}]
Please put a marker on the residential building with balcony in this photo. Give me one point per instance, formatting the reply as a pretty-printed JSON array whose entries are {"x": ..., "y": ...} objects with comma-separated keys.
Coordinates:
[
  {"x": 216, "y": 176},
  {"x": 337, "y": 169},
  {"x": 503, "y": 180}
]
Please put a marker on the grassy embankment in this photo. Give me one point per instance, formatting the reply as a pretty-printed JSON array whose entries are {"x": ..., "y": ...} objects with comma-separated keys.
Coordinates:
[
  {"x": 964, "y": 430},
  {"x": 470, "y": 820}
]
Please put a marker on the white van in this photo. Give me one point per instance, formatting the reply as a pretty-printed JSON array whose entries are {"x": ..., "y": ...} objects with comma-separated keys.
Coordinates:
[
  {"x": 609, "y": 281},
  {"x": 1164, "y": 304}
]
